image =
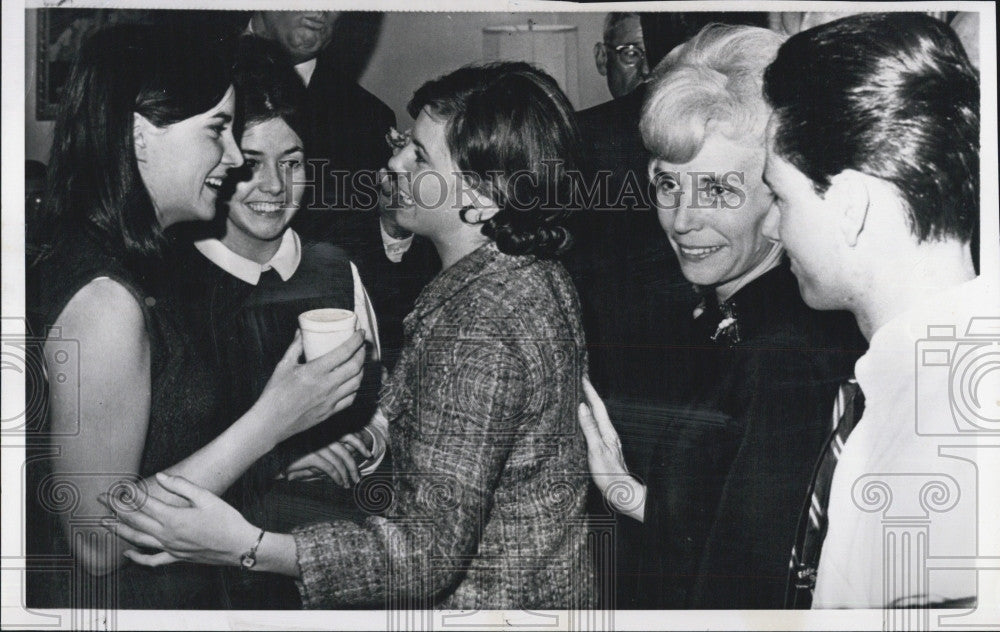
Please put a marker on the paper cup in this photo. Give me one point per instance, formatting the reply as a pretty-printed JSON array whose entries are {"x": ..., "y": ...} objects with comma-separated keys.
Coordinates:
[{"x": 323, "y": 330}]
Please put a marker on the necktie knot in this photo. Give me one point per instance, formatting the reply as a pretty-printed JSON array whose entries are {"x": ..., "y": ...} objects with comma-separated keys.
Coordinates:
[{"x": 852, "y": 405}]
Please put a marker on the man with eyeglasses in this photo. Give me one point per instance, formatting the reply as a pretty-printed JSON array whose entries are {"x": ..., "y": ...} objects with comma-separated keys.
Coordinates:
[{"x": 621, "y": 57}]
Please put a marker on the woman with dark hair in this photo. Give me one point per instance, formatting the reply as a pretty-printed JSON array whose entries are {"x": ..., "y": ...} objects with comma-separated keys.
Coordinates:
[
  {"x": 139, "y": 147},
  {"x": 244, "y": 290},
  {"x": 720, "y": 499},
  {"x": 487, "y": 504},
  {"x": 247, "y": 287}
]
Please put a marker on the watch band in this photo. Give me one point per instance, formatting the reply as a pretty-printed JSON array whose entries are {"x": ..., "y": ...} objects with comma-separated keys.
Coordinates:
[{"x": 249, "y": 559}]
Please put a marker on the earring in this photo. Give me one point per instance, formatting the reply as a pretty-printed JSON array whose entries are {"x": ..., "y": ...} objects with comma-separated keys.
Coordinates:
[{"x": 465, "y": 209}]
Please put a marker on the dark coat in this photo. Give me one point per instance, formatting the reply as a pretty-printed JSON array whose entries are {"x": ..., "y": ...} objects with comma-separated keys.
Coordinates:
[
  {"x": 636, "y": 303},
  {"x": 735, "y": 456}
]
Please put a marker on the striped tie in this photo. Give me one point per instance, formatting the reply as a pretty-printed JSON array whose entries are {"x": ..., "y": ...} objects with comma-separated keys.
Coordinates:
[{"x": 847, "y": 411}]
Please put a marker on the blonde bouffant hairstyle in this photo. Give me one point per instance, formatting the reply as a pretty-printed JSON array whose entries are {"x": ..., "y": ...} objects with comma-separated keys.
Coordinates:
[{"x": 710, "y": 84}]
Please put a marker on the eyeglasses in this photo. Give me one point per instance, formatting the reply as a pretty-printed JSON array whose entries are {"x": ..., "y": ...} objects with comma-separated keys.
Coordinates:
[
  {"x": 628, "y": 54},
  {"x": 397, "y": 139}
]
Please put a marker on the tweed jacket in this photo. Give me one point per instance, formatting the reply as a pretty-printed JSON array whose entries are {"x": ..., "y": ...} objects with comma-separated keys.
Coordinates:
[{"x": 484, "y": 508}]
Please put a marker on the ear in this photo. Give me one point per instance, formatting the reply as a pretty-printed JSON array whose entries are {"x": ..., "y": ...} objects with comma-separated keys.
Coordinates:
[
  {"x": 601, "y": 58},
  {"x": 141, "y": 129},
  {"x": 849, "y": 190},
  {"x": 772, "y": 222}
]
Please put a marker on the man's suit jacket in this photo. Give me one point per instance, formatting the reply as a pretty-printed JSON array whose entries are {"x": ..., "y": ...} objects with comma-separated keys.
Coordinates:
[
  {"x": 344, "y": 141},
  {"x": 637, "y": 305}
]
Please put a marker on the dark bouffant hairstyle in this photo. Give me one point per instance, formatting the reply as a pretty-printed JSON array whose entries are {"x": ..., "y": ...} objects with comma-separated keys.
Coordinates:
[
  {"x": 93, "y": 183},
  {"x": 267, "y": 86},
  {"x": 891, "y": 95},
  {"x": 513, "y": 133}
]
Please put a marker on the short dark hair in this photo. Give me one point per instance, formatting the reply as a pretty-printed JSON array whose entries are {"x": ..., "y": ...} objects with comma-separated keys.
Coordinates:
[
  {"x": 510, "y": 118},
  {"x": 93, "y": 184},
  {"x": 267, "y": 86},
  {"x": 613, "y": 19},
  {"x": 891, "y": 95}
]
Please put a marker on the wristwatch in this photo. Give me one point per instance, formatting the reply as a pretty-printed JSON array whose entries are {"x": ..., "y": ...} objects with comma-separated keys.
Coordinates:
[{"x": 249, "y": 559}]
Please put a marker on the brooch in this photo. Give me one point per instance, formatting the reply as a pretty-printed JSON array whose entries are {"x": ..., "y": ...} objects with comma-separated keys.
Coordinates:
[{"x": 728, "y": 328}]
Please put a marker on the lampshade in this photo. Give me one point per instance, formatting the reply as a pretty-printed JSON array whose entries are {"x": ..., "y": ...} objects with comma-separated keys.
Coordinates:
[{"x": 552, "y": 47}]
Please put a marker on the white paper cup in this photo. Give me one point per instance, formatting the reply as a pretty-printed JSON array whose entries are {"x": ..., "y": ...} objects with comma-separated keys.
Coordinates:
[{"x": 323, "y": 330}]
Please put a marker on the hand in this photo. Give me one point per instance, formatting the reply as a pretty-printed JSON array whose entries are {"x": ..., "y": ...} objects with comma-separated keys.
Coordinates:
[
  {"x": 207, "y": 531},
  {"x": 604, "y": 454},
  {"x": 337, "y": 460},
  {"x": 300, "y": 395}
]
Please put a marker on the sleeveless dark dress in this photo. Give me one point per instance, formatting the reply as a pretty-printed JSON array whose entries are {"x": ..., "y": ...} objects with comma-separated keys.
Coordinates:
[
  {"x": 244, "y": 330},
  {"x": 183, "y": 418}
]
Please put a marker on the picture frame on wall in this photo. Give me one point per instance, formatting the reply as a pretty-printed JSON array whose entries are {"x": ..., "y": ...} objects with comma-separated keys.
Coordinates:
[{"x": 60, "y": 33}]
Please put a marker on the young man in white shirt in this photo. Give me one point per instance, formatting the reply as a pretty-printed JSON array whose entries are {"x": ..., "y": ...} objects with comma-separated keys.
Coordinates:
[{"x": 873, "y": 158}]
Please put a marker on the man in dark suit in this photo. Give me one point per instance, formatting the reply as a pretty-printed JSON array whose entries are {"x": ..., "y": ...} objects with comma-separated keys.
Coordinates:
[{"x": 345, "y": 142}]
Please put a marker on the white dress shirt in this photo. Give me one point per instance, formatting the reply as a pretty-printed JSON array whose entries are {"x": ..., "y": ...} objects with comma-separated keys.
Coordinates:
[
  {"x": 285, "y": 262},
  {"x": 916, "y": 485}
]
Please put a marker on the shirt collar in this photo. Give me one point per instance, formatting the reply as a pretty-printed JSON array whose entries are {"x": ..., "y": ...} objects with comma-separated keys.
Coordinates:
[
  {"x": 285, "y": 261},
  {"x": 305, "y": 69}
]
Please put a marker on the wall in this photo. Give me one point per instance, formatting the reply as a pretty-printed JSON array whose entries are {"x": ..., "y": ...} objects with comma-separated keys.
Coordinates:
[{"x": 413, "y": 47}]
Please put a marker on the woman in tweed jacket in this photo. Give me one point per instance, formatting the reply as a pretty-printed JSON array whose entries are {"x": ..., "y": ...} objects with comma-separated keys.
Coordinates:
[{"x": 484, "y": 508}]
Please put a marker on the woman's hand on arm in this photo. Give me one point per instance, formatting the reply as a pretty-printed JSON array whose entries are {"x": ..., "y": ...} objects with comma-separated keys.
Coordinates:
[
  {"x": 607, "y": 463},
  {"x": 102, "y": 421},
  {"x": 206, "y": 531}
]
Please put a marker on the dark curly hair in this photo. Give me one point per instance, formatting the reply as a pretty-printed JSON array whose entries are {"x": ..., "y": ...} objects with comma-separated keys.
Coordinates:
[
  {"x": 513, "y": 133},
  {"x": 267, "y": 86}
]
